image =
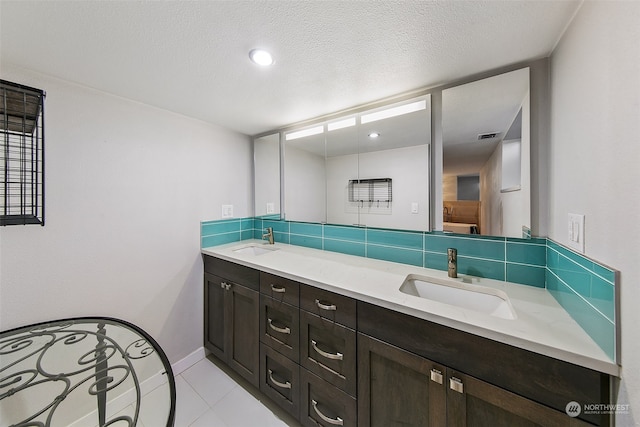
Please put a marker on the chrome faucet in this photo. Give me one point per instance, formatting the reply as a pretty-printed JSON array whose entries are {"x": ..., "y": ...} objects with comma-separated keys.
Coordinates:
[
  {"x": 452, "y": 262},
  {"x": 269, "y": 235}
]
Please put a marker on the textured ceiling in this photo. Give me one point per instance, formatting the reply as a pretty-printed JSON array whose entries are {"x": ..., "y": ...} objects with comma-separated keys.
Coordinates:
[{"x": 191, "y": 57}]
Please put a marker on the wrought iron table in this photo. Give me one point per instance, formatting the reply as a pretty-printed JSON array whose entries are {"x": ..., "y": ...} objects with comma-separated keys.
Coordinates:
[{"x": 84, "y": 372}]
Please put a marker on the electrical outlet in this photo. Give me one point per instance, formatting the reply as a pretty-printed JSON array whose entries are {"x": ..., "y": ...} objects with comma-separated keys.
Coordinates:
[
  {"x": 576, "y": 232},
  {"x": 227, "y": 211},
  {"x": 271, "y": 208}
]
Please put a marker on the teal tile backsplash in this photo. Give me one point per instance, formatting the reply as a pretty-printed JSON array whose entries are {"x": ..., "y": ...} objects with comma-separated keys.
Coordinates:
[
  {"x": 587, "y": 291},
  {"x": 583, "y": 287}
]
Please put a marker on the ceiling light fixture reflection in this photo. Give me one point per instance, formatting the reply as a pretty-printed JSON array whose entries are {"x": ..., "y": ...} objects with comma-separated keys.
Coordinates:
[
  {"x": 305, "y": 132},
  {"x": 394, "y": 111},
  {"x": 341, "y": 124},
  {"x": 374, "y": 135},
  {"x": 261, "y": 57}
]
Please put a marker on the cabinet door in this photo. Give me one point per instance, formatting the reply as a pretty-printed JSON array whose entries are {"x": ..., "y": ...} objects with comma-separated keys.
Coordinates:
[
  {"x": 472, "y": 402},
  {"x": 214, "y": 315},
  {"x": 398, "y": 388},
  {"x": 243, "y": 311}
]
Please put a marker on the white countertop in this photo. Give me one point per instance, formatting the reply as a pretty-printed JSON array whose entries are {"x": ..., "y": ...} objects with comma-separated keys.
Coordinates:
[{"x": 541, "y": 326}]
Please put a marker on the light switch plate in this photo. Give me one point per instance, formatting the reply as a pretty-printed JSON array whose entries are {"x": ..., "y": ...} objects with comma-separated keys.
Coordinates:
[
  {"x": 576, "y": 232},
  {"x": 227, "y": 211},
  {"x": 414, "y": 207}
]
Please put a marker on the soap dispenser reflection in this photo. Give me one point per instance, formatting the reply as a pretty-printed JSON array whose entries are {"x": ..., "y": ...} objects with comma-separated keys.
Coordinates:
[{"x": 452, "y": 262}]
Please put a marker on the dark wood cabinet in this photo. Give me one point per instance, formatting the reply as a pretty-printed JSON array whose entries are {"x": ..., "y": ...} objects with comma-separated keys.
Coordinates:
[
  {"x": 500, "y": 382},
  {"x": 329, "y": 305},
  {"x": 280, "y": 289},
  {"x": 280, "y": 327},
  {"x": 472, "y": 402},
  {"x": 329, "y": 360},
  {"x": 231, "y": 326},
  {"x": 328, "y": 349},
  {"x": 215, "y": 329},
  {"x": 280, "y": 379},
  {"x": 322, "y": 404},
  {"x": 398, "y": 388}
]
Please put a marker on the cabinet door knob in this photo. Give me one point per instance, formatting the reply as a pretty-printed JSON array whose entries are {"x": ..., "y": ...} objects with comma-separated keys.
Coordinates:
[
  {"x": 332, "y": 356},
  {"x": 224, "y": 285},
  {"x": 455, "y": 384},
  {"x": 330, "y": 307},
  {"x": 278, "y": 289},
  {"x": 337, "y": 421},
  {"x": 436, "y": 376},
  {"x": 286, "y": 385},
  {"x": 284, "y": 330}
]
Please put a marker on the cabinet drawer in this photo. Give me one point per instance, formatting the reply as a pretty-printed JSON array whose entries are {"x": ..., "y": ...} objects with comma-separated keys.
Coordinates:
[
  {"x": 324, "y": 405},
  {"x": 233, "y": 272},
  {"x": 280, "y": 379},
  {"x": 328, "y": 350},
  {"x": 280, "y": 289},
  {"x": 329, "y": 305},
  {"x": 280, "y": 327}
]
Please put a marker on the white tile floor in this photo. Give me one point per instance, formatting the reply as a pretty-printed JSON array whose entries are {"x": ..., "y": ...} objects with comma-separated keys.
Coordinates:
[{"x": 207, "y": 396}]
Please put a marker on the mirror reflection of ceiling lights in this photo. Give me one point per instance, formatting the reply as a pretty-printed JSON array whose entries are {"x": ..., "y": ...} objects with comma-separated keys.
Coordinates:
[
  {"x": 394, "y": 111},
  {"x": 366, "y": 117}
]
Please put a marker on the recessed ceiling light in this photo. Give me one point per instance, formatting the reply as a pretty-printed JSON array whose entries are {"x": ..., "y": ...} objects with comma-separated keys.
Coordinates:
[
  {"x": 261, "y": 57},
  {"x": 373, "y": 135}
]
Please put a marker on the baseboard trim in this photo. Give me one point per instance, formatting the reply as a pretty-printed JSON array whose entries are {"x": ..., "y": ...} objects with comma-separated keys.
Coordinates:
[{"x": 188, "y": 361}]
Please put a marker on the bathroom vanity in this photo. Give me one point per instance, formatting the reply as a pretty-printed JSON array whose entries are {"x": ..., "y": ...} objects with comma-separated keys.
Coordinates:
[{"x": 333, "y": 340}]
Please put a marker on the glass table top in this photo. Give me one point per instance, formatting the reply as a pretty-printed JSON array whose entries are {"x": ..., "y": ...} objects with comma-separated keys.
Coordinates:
[{"x": 84, "y": 372}]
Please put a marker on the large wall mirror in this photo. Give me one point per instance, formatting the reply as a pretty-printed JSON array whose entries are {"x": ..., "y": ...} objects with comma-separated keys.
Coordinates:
[
  {"x": 266, "y": 167},
  {"x": 372, "y": 167},
  {"x": 368, "y": 169},
  {"x": 486, "y": 156}
]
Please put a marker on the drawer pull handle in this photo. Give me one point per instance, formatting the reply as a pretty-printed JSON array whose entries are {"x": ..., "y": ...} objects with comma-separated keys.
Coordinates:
[
  {"x": 337, "y": 421},
  {"x": 281, "y": 290},
  {"x": 436, "y": 376},
  {"x": 455, "y": 384},
  {"x": 336, "y": 356},
  {"x": 278, "y": 383},
  {"x": 225, "y": 285},
  {"x": 284, "y": 330},
  {"x": 330, "y": 307}
]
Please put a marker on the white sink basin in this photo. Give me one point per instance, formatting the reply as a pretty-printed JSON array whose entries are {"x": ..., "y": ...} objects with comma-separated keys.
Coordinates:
[
  {"x": 471, "y": 297},
  {"x": 254, "y": 249}
]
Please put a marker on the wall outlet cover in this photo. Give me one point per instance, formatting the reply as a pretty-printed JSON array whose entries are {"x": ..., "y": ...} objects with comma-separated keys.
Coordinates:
[
  {"x": 576, "y": 232},
  {"x": 227, "y": 211}
]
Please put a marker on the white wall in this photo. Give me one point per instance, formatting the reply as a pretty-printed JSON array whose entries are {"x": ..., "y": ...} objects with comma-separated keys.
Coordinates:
[
  {"x": 408, "y": 168},
  {"x": 595, "y": 157},
  {"x": 126, "y": 187}
]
